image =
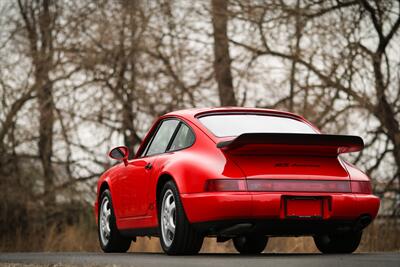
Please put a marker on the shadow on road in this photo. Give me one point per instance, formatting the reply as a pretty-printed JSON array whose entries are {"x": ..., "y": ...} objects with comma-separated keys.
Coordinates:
[{"x": 240, "y": 255}]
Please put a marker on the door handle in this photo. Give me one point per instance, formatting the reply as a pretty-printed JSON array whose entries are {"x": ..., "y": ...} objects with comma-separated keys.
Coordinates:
[{"x": 148, "y": 166}]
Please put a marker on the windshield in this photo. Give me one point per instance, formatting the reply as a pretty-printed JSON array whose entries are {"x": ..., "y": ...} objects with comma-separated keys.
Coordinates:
[{"x": 237, "y": 124}]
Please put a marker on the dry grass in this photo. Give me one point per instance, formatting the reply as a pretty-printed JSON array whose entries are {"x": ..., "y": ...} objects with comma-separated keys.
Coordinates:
[
  {"x": 382, "y": 235},
  {"x": 77, "y": 237},
  {"x": 6, "y": 264}
]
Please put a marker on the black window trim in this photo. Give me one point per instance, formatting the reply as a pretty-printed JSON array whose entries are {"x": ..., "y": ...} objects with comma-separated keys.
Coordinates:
[
  {"x": 143, "y": 154},
  {"x": 259, "y": 113},
  {"x": 172, "y": 139},
  {"x": 180, "y": 122}
]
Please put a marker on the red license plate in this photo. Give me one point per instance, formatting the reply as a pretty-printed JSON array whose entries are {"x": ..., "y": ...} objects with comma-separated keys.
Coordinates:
[{"x": 303, "y": 207}]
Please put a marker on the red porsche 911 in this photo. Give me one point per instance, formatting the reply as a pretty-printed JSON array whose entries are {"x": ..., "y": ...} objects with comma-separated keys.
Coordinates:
[{"x": 235, "y": 173}]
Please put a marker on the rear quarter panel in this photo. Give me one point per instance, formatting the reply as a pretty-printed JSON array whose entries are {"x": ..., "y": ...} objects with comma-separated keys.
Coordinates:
[
  {"x": 354, "y": 172},
  {"x": 191, "y": 167}
]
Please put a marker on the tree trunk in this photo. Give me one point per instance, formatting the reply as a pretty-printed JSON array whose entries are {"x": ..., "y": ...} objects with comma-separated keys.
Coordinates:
[
  {"x": 43, "y": 66},
  {"x": 46, "y": 122},
  {"x": 222, "y": 60},
  {"x": 39, "y": 27},
  {"x": 126, "y": 87},
  {"x": 296, "y": 52},
  {"x": 128, "y": 117}
]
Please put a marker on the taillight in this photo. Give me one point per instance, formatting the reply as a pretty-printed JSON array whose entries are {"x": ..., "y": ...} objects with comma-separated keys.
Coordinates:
[
  {"x": 361, "y": 187},
  {"x": 225, "y": 185}
]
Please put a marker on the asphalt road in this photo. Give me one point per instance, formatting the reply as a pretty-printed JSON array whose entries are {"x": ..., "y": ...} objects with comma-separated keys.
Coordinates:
[{"x": 210, "y": 260}]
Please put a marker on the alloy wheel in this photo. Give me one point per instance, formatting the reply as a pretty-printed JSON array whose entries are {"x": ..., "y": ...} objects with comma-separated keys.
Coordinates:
[
  {"x": 105, "y": 215},
  {"x": 168, "y": 217}
]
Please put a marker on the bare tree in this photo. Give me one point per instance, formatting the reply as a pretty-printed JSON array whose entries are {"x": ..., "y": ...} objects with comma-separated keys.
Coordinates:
[{"x": 343, "y": 68}]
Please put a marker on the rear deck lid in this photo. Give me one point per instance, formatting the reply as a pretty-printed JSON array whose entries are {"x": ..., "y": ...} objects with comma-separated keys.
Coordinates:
[{"x": 291, "y": 155}]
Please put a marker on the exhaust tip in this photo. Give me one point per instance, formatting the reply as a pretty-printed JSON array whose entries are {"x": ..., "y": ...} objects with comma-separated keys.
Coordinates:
[
  {"x": 236, "y": 229},
  {"x": 365, "y": 220},
  {"x": 362, "y": 222}
]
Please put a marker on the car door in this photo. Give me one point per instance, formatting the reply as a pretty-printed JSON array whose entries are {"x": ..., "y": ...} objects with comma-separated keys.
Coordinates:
[{"x": 136, "y": 184}]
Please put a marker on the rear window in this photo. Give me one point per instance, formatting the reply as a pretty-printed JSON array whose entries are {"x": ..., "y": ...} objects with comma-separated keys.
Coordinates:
[{"x": 237, "y": 124}]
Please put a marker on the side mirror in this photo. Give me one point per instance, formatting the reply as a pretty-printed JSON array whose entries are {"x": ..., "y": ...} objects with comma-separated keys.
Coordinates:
[{"x": 119, "y": 153}]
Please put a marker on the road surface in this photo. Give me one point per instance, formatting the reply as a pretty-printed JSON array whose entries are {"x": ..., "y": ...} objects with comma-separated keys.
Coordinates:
[{"x": 209, "y": 260}]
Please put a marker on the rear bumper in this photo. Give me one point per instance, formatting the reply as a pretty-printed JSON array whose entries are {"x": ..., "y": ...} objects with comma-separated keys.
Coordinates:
[
  {"x": 249, "y": 206},
  {"x": 271, "y": 227}
]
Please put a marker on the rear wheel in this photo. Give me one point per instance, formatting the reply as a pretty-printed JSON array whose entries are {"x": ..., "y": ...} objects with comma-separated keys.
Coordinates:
[
  {"x": 177, "y": 235},
  {"x": 344, "y": 243},
  {"x": 110, "y": 238},
  {"x": 250, "y": 244}
]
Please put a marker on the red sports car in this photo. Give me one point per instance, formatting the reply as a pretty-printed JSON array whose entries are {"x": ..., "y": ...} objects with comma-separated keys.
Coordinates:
[{"x": 235, "y": 173}]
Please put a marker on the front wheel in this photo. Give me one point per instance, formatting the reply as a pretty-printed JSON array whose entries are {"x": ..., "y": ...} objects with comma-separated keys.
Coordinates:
[
  {"x": 177, "y": 235},
  {"x": 344, "y": 243},
  {"x": 110, "y": 238},
  {"x": 250, "y": 244}
]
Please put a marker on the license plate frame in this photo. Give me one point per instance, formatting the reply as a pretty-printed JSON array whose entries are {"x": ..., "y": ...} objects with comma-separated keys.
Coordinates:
[{"x": 303, "y": 207}]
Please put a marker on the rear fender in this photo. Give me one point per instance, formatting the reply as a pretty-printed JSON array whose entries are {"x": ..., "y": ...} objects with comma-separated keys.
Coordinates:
[
  {"x": 355, "y": 173},
  {"x": 190, "y": 170}
]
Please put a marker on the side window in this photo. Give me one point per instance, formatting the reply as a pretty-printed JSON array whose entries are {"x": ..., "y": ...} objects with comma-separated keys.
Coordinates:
[
  {"x": 184, "y": 138},
  {"x": 161, "y": 139}
]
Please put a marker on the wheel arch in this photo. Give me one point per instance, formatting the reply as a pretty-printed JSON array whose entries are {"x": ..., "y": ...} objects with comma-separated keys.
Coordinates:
[
  {"x": 104, "y": 185},
  {"x": 161, "y": 181}
]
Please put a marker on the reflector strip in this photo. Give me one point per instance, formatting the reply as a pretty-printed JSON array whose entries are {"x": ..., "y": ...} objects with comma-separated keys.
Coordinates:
[
  {"x": 298, "y": 186},
  {"x": 277, "y": 185}
]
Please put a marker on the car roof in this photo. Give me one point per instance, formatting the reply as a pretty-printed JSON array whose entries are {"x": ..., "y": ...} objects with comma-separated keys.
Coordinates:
[
  {"x": 197, "y": 112},
  {"x": 192, "y": 115}
]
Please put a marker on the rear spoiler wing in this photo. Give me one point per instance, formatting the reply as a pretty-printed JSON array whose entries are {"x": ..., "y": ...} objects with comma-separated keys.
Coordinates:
[{"x": 292, "y": 143}]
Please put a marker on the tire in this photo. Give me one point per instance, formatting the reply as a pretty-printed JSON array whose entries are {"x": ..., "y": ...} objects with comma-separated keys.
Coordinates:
[
  {"x": 250, "y": 244},
  {"x": 109, "y": 237},
  {"x": 177, "y": 235},
  {"x": 344, "y": 243}
]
